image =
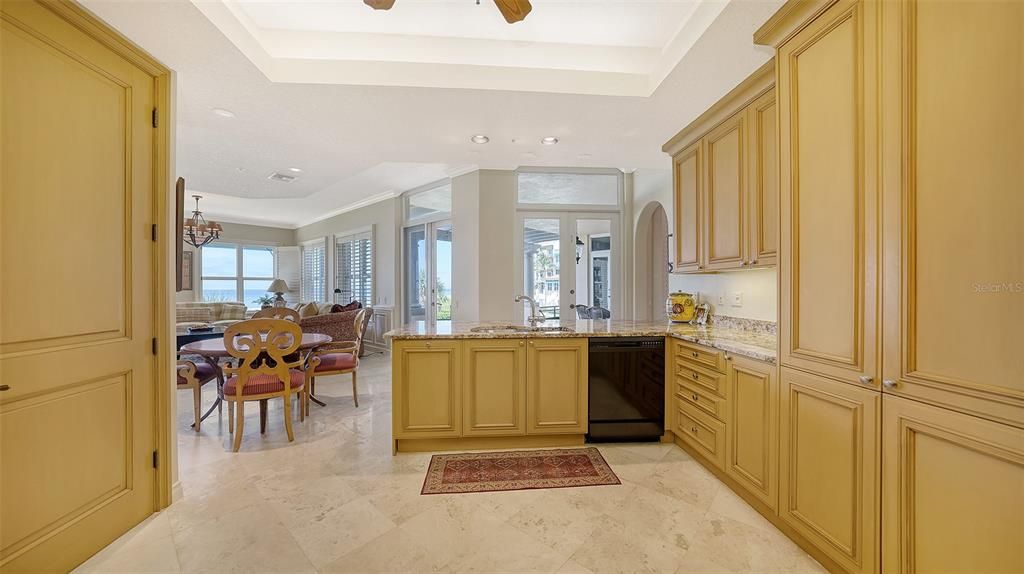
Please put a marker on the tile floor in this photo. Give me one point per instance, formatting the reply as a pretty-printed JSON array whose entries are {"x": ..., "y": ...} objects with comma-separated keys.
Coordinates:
[{"x": 335, "y": 500}]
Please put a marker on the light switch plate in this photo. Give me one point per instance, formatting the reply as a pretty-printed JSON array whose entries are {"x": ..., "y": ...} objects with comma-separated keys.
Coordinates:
[
  {"x": 737, "y": 299},
  {"x": 721, "y": 299}
]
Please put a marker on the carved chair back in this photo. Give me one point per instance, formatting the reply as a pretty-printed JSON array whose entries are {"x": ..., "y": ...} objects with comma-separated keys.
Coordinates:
[{"x": 263, "y": 347}]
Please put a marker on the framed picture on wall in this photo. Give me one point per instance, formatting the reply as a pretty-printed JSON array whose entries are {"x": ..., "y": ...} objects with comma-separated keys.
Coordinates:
[{"x": 185, "y": 277}]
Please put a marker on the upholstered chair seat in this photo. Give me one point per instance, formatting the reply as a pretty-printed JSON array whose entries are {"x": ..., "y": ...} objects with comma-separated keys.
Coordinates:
[
  {"x": 262, "y": 384},
  {"x": 336, "y": 362}
]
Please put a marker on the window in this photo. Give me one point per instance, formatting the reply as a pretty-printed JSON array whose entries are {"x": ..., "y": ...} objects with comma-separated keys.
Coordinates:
[
  {"x": 353, "y": 267},
  {"x": 236, "y": 272},
  {"x": 573, "y": 189},
  {"x": 434, "y": 203},
  {"x": 314, "y": 271}
]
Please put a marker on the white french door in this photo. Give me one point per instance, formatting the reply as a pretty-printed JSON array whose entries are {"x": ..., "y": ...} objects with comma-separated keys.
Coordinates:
[
  {"x": 567, "y": 259},
  {"x": 428, "y": 276}
]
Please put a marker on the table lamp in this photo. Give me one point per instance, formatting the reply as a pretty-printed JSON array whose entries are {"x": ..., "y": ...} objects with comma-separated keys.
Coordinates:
[{"x": 279, "y": 288}]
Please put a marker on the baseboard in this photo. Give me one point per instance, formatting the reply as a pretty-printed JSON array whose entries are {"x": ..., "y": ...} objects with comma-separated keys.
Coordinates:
[
  {"x": 764, "y": 510},
  {"x": 177, "y": 493},
  {"x": 487, "y": 443}
]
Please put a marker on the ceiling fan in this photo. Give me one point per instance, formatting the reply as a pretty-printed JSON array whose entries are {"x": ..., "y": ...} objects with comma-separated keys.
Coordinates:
[{"x": 513, "y": 10}]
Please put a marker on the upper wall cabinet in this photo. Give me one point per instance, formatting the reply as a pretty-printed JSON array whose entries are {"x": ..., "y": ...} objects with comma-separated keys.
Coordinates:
[{"x": 725, "y": 181}]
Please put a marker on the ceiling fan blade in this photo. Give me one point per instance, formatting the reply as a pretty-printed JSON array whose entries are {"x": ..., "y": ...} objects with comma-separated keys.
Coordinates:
[
  {"x": 379, "y": 4},
  {"x": 513, "y": 10}
]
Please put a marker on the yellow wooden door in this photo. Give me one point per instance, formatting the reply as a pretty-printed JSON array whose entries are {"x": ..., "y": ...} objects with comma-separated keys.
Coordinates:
[
  {"x": 494, "y": 387},
  {"x": 77, "y": 320},
  {"x": 763, "y": 182},
  {"x": 828, "y": 139},
  {"x": 829, "y": 466},
  {"x": 687, "y": 203},
  {"x": 954, "y": 205},
  {"x": 725, "y": 194},
  {"x": 952, "y": 491},
  {"x": 556, "y": 386},
  {"x": 427, "y": 389},
  {"x": 752, "y": 422}
]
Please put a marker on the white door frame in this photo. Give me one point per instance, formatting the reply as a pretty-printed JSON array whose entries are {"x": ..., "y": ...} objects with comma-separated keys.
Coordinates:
[{"x": 429, "y": 230}]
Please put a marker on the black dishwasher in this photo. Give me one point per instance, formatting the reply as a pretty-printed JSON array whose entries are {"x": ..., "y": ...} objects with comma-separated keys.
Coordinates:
[{"x": 627, "y": 389}]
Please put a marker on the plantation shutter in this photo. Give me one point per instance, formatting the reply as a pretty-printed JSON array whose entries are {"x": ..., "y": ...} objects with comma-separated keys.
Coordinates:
[
  {"x": 353, "y": 256},
  {"x": 314, "y": 271}
]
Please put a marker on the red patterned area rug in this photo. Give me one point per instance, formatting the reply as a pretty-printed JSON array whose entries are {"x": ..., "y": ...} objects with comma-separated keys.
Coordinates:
[{"x": 517, "y": 470}]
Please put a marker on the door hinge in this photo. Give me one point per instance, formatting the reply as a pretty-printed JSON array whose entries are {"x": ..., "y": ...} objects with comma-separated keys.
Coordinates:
[
  {"x": 153, "y": 232},
  {"x": 154, "y": 345},
  {"x": 156, "y": 459},
  {"x": 156, "y": 117}
]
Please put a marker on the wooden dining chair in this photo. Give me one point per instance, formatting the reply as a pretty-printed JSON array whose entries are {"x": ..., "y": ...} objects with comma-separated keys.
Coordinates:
[
  {"x": 278, "y": 313},
  {"x": 193, "y": 375},
  {"x": 262, "y": 347},
  {"x": 339, "y": 357}
]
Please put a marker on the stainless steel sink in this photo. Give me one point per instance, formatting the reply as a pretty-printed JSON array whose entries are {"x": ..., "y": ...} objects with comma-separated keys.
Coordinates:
[
  {"x": 519, "y": 329},
  {"x": 552, "y": 329}
]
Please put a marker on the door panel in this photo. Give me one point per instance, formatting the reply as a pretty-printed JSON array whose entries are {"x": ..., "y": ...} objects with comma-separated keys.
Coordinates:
[
  {"x": 556, "y": 391},
  {"x": 725, "y": 186},
  {"x": 687, "y": 205},
  {"x": 829, "y": 196},
  {"x": 78, "y": 150},
  {"x": 953, "y": 490},
  {"x": 494, "y": 392},
  {"x": 428, "y": 395},
  {"x": 763, "y": 185},
  {"x": 752, "y": 455},
  {"x": 829, "y": 468},
  {"x": 957, "y": 232}
]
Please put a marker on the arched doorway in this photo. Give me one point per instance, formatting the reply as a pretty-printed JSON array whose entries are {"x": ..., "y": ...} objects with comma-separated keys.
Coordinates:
[{"x": 651, "y": 263}]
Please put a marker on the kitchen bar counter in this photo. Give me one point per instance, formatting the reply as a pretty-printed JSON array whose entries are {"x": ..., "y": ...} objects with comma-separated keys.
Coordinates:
[{"x": 757, "y": 344}]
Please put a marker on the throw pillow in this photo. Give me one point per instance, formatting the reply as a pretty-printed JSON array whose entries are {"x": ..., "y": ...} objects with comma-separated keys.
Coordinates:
[
  {"x": 232, "y": 312},
  {"x": 323, "y": 308},
  {"x": 194, "y": 315},
  {"x": 349, "y": 307},
  {"x": 307, "y": 310}
]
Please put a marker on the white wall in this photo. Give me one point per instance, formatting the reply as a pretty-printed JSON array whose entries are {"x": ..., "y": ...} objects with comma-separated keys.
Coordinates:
[
  {"x": 758, "y": 287},
  {"x": 383, "y": 215},
  {"x": 496, "y": 266},
  {"x": 466, "y": 247}
]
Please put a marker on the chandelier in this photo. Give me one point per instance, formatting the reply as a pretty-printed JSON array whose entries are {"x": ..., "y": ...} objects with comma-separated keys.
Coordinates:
[{"x": 197, "y": 232}]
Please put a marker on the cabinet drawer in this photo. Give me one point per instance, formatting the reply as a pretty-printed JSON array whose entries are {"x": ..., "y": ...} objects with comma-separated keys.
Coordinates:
[
  {"x": 700, "y": 399},
  {"x": 704, "y": 356},
  {"x": 705, "y": 434},
  {"x": 698, "y": 377}
]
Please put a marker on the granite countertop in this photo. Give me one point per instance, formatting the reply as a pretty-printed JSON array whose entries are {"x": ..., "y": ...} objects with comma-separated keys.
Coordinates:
[{"x": 748, "y": 340}]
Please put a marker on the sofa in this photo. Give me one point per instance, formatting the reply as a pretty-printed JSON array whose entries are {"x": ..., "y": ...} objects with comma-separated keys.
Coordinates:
[
  {"x": 339, "y": 324},
  {"x": 198, "y": 313}
]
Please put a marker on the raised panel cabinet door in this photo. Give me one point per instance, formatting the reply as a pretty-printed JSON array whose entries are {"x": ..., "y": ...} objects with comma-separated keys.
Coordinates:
[
  {"x": 494, "y": 387},
  {"x": 953, "y": 211},
  {"x": 687, "y": 177},
  {"x": 78, "y": 320},
  {"x": 952, "y": 491},
  {"x": 725, "y": 195},
  {"x": 763, "y": 183},
  {"x": 752, "y": 422},
  {"x": 828, "y": 144},
  {"x": 556, "y": 386},
  {"x": 829, "y": 466},
  {"x": 427, "y": 389}
]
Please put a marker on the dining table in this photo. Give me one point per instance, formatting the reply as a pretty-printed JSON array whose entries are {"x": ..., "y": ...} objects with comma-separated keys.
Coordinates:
[{"x": 212, "y": 350}]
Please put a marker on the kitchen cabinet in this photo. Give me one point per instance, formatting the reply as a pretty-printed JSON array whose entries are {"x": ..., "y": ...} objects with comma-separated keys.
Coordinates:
[
  {"x": 829, "y": 466},
  {"x": 952, "y": 491},
  {"x": 687, "y": 200},
  {"x": 725, "y": 181},
  {"x": 427, "y": 389},
  {"x": 556, "y": 386},
  {"x": 763, "y": 181},
  {"x": 953, "y": 206},
  {"x": 494, "y": 387},
  {"x": 752, "y": 423},
  {"x": 829, "y": 195}
]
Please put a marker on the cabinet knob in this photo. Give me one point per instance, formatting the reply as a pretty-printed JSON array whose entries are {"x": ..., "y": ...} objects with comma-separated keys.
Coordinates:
[
  {"x": 728, "y": 357},
  {"x": 694, "y": 353},
  {"x": 889, "y": 383},
  {"x": 865, "y": 380},
  {"x": 520, "y": 343},
  {"x": 428, "y": 345},
  {"x": 693, "y": 430},
  {"x": 695, "y": 376},
  {"x": 694, "y": 397}
]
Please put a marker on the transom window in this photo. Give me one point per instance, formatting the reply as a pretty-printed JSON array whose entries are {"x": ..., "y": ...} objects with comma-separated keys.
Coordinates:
[{"x": 236, "y": 272}]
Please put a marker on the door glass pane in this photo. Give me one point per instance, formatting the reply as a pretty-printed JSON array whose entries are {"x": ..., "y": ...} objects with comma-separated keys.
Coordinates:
[
  {"x": 541, "y": 260},
  {"x": 416, "y": 301},
  {"x": 220, "y": 289},
  {"x": 258, "y": 262},
  {"x": 568, "y": 188},
  {"x": 443, "y": 265},
  {"x": 594, "y": 266},
  {"x": 219, "y": 261}
]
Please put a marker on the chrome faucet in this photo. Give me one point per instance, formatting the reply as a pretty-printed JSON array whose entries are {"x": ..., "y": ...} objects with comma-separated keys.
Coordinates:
[{"x": 536, "y": 315}]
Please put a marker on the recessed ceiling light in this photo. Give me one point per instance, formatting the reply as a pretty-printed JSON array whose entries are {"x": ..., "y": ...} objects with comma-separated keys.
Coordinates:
[
  {"x": 294, "y": 170},
  {"x": 549, "y": 140},
  {"x": 479, "y": 139},
  {"x": 224, "y": 113}
]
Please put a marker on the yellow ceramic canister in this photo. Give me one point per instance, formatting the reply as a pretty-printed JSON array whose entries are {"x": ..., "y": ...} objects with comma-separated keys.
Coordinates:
[{"x": 680, "y": 307}]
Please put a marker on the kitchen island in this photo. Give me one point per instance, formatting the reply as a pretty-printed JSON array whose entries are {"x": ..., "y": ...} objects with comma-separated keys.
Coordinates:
[{"x": 502, "y": 385}]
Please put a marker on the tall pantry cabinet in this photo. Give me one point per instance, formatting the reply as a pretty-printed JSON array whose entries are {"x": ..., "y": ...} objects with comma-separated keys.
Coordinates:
[{"x": 901, "y": 265}]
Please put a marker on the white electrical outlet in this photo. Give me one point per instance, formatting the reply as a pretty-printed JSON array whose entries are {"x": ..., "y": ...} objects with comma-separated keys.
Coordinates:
[
  {"x": 737, "y": 299},
  {"x": 721, "y": 299}
]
